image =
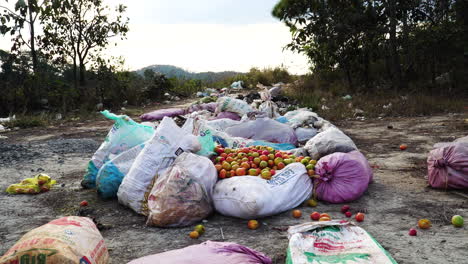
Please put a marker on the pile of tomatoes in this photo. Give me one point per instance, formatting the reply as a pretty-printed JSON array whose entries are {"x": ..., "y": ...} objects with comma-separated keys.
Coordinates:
[{"x": 256, "y": 161}]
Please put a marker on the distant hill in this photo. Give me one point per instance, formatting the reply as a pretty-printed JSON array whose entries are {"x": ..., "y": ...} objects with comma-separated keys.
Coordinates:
[{"x": 173, "y": 71}]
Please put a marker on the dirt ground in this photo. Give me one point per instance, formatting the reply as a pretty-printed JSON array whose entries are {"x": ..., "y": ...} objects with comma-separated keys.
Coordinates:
[{"x": 394, "y": 202}]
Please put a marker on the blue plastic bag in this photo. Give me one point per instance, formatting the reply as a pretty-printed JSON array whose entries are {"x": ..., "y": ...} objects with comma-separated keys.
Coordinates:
[
  {"x": 124, "y": 134},
  {"x": 277, "y": 146}
]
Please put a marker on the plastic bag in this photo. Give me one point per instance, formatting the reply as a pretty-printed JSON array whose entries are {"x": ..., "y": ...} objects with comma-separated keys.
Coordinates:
[
  {"x": 344, "y": 177},
  {"x": 208, "y": 252},
  {"x": 70, "y": 239},
  {"x": 264, "y": 129},
  {"x": 250, "y": 197},
  {"x": 221, "y": 124},
  {"x": 275, "y": 91},
  {"x": 230, "y": 115},
  {"x": 278, "y": 146},
  {"x": 40, "y": 183},
  {"x": 304, "y": 134},
  {"x": 270, "y": 108},
  {"x": 237, "y": 85},
  {"x": 232, "y": 105},
  {"x": 448, "y": 166},
  {"x": 207, "y": 143},
  {"x": 110, "y": 176},
  {"x": 301, "y": 117},
  {"x": 159, "y": 153},
  {"x": 331, "y": 242},
  {"x": 182, "y": 195},
  {"x": 124, "y": 135},
  {"x": 329, "y": 141},
  {"x": 161, "y": 113},
  {"x": 198, "y": 107},
  {"x": 219, "y": 136}
]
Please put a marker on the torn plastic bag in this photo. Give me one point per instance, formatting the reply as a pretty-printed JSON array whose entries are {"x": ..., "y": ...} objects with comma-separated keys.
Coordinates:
[
  {"x": 40, "y": 183},
  {"x": 110, "y": 176},
  {"x": 329, "y": 141},
  {"x": 232, "y": 105},
  {"x": 304, "y": 134},
  {"x": 161, "y": 113},
  {"x": 264, "y": 129},
  {"x": 182, "y": 195},
  {"x": 124, "y": 135},
  {"x": 331, "y": 242},
  {"x": 448, "y": 166},
  {"x": 251, "y": 197},
  {"x": 209, "y": 252},
  {"x": 159, "y": 153},
  {"x": 344, "y": 177}
]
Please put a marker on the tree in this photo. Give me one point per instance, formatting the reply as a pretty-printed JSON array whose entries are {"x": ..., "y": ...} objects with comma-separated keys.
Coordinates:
[
  {"x": 14, "y": 22},
  {"x": 76, "y": 30}
]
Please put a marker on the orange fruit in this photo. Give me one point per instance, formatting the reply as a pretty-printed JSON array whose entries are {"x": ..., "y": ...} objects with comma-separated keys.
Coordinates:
[
  {"x": 324, "y": 215},
  {"x": 297, "y": 213},
  {"x": 324, "y": 219},
  {"x": 424, "y": 223},
  {"x": 252, "y": 224},
  {"x": 194, "y": 234}
]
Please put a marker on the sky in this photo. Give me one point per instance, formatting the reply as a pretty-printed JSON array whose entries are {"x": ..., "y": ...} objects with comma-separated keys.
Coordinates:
[{"x": 204, "y": 35}]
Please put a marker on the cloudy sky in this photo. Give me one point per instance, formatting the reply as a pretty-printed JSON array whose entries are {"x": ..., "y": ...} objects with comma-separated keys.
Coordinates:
[{"x": 204, "y": 35}]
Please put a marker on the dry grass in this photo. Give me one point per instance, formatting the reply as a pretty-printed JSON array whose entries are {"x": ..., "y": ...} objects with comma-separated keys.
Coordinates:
[{"x": 383, "y": 104}]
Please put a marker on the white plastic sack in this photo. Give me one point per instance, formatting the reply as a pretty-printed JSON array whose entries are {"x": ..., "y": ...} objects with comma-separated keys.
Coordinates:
[
  {"x": 304, "y": 134},
  {"x": 301, "y": 116},
  {"x": 222, "y": 124},
  {"x": 275, "y": 91},
  {"x": 182, "y": 195},
  {"x": 270, "y": 108},
  {"x": 331, "y": 242},
  {"x": 251, "y": 197},
  {"x": 159, "y": 153},
  {"x": 446, "y": 144},
  {"x": 264, "y": 129},
  {"x": 329, "y": 141},
  {"x": 232, "y": 105}
]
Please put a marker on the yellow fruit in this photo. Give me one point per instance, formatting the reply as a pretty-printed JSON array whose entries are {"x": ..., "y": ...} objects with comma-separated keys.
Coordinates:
[{"x": 311, "y": 202}]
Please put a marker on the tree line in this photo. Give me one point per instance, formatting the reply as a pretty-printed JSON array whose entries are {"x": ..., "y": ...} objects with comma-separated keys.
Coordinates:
[{"x": 410, "y": 45}]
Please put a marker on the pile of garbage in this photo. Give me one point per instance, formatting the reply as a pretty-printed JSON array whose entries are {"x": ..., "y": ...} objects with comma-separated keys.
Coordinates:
[
  {"x": 244, "y": 156},
  {"x": 178, "y": 175}
]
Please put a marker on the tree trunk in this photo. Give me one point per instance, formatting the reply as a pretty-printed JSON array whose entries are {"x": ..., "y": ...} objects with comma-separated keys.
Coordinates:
[
  {"x": 350, "y": 80},
  {"x": 82, "y": 73},
  {"x": 32, "y": 36},
  {"x": 395, "y": 59}
]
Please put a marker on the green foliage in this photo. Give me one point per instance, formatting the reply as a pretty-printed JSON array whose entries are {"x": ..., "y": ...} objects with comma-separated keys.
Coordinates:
[
  {"x": 28, "y": 121},
  {"x": 366, "y": 44},
  {"x": 75, "y": 30},
  {"x": 266, "y": 76}
]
